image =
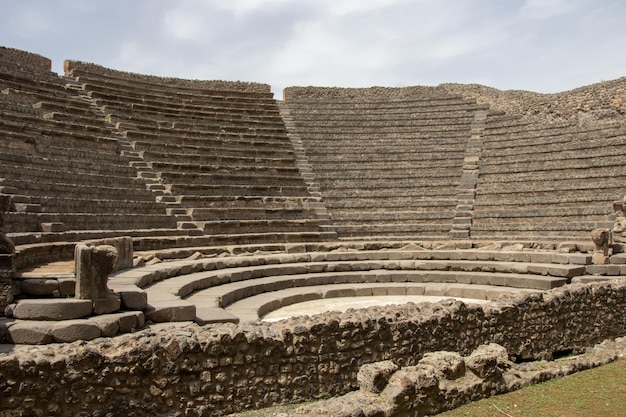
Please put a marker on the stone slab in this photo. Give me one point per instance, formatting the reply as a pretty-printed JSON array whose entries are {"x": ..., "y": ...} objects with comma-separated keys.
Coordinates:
[
  {"x": 106, "y": 305},
  {"x": 73, "y": 330},
  {"x": 38, "y": 287},
  {"x": 30, "y": 333},
  {"x": 108, "y": 323},
  {"x": 134, "y": 300},
  {"x": 619, "y": 259},
  {"x": 174, "y": 310},
  {"x": 206, "y": 315},
  {"x": 130, "y": 321},
  {"x": 52, "y": 309}
]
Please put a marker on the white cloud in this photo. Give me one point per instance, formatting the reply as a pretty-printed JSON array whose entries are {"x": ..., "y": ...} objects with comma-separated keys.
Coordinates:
[
  {"x": 347, "y": 7},
  {"x": 543, "y": 45},
  {"x": 132, "y": 56},
  {"x": 241, "y": 7},
  {"x": 543, "y": 9},
  {"x": 184, "y": 24}
]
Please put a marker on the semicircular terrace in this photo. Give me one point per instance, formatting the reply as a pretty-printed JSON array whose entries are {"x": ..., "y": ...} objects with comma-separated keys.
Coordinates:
[{"x": 235, "y": 204}]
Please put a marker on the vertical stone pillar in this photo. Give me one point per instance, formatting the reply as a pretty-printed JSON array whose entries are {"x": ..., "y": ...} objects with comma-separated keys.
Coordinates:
[
  {"x": 7, "y": 258},
  {"x": 93, "y": 264}
]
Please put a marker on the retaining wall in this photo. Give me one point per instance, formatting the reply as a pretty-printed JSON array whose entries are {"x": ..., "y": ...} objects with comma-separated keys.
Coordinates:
[{"x": 214, "y": 370}]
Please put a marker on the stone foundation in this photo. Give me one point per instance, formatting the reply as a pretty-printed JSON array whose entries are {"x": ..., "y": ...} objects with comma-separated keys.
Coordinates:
[{"x": 219, "y": 369}]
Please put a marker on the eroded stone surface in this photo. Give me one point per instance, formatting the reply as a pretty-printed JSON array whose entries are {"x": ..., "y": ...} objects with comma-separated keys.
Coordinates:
[{"x": 52, "y": 309}]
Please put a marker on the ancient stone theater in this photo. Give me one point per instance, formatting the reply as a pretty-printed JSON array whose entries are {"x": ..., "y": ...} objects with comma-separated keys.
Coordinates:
[{"x": 174, "y": 247}]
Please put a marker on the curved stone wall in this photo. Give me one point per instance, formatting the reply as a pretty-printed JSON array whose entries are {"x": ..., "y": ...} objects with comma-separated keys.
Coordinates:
[
  {"x": 219, "y": 369},
  {"x": 70, "y": 66},
  {"x": 373, "y": 93},
  {"x": 27, "y": 60}
]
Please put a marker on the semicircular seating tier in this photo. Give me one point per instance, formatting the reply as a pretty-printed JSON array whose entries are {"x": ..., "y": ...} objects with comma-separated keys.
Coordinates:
[
  {"x": 547, "y": 181},
  {"x": 63, "y": 169},
  {"x": 421, "y": 162},
  {"x": 101, "y": 153},
  {"x": 217, "y": 151},
  {"x": 388, "y": 161}
]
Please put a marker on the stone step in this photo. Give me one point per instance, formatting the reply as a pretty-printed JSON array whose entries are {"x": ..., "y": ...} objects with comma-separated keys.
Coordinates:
[
  {"x": 31, "y": 332},
  {"x": 254, "y": 308}
]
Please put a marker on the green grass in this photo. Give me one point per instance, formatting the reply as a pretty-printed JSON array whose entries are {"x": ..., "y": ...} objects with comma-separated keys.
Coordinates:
[{"x": 598, "y": 392}]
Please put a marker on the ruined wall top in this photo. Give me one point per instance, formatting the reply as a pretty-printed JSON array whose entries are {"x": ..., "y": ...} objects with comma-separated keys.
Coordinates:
[
  {"x": 27, "y": 60},
  {"x": 596, "y": 103},
  {"x": 600, "y": 102},
  {"x": 70, "y": 65},
  {"x": 369, "y": 93}
]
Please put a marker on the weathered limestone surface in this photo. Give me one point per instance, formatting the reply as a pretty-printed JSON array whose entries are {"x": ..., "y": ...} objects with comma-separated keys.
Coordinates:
[
  {"x": 219, "y": 369},
  {"x": 94, "y": 264}
]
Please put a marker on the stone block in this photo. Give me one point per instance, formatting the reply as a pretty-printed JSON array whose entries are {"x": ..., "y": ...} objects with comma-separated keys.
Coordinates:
[
  {"x": 124, "y": 246},
  {"x": 413, "y": 289},
  {"x": 340, "y": 292},
  {"x": 67, "y": 287},
  {"x": 108, "y": 323},
  {"x": 52, "y": 227},
  {"x": 613, "y": 270},
  {"x": 373, "y": 377},
  {"x": 130, "y": 321},
  {"x": 134, "y": 300},
  {"x": 52, "y": 309},
  {"x": 488, "y": 361},
  {"x": 619, "y": 258},
  {"x": 30, "y": 332},
  {"x": 175, "y": 310},
  {"x": 396, "y": 290},
  {"x": 38, "y": 287},
  {"x": 73, "y": 330},
  {"x": 579, "y": 259},
  {"x": 363, "y": 292},
  {"x": 450, "y": 365},
  {"x": 106, "y": 305},
  {"x": 459, "y": 234}
]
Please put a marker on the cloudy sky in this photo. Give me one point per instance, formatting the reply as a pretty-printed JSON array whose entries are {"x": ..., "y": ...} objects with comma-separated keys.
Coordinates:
[{"x": 537, "y": 45}]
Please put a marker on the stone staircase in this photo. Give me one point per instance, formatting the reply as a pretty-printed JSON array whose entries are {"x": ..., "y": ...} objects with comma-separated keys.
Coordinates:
[{"x": 462, "y": 222}]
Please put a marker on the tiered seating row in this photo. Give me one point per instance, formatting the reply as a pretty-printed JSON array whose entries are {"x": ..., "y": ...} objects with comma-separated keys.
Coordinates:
[
  {"x": 203, "y": 289},
  {"x": 547, "y": 181},
  {"x": 389, "y": 167},
  {"x": 60, "y": 163},
  {"x": 208, "y": 146}
]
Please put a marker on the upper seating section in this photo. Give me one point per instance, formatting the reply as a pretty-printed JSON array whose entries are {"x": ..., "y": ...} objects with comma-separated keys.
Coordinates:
[
  {"x": 59, "y": 162},
  {"x": 220, "y": 148},
  {"x": 388, "y": 160},
  {"x": 540, "y": 180}
]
